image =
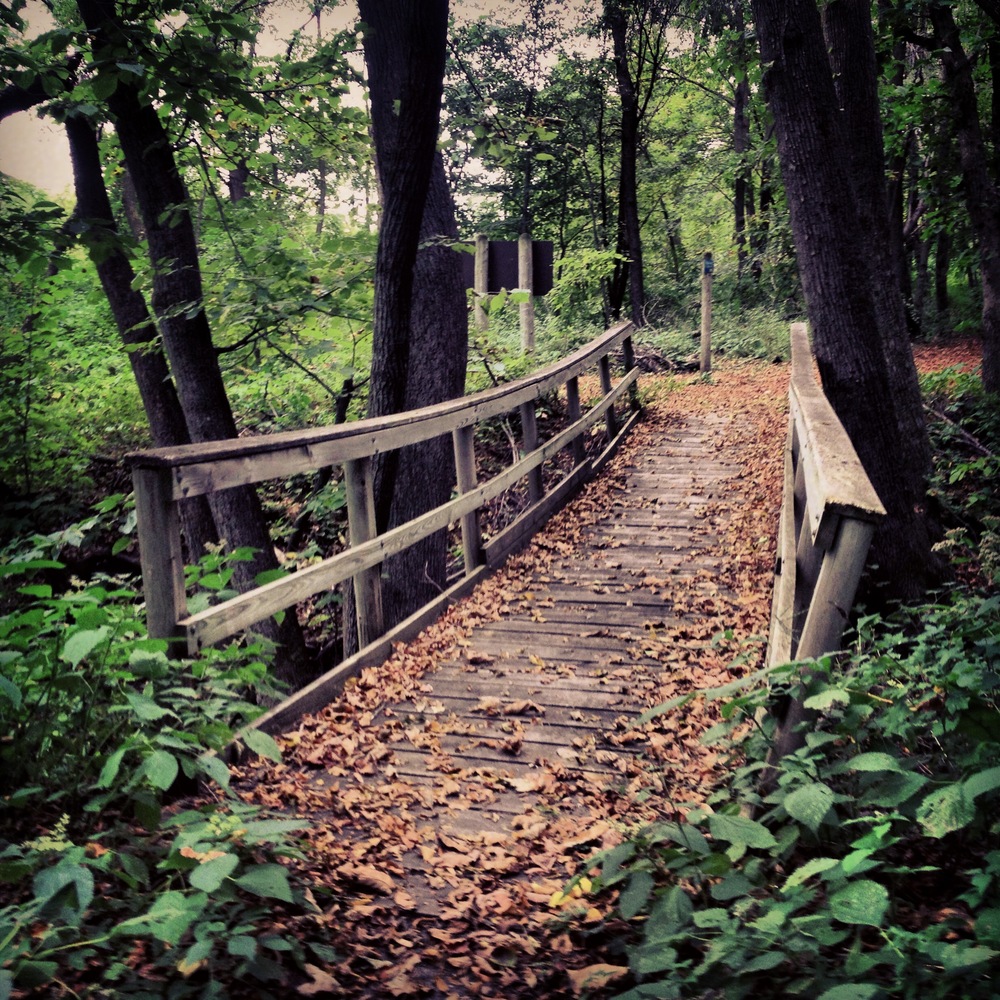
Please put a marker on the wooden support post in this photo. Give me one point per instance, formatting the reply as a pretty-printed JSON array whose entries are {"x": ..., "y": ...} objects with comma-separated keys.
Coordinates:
[
  {"x": 480, "y": 286},
  {"x": 574, "y": 412},
  {"x": 465, "y": 469},
  {"x": 836, "y": 586},
  {"x": 708, "y": 267},
  {"x": 610, "y": 417},
  {"x": 360, "y": 489},
  {"x": 525, "y": 283},
  {"x": 628, "y": 353},
  {"x": 529, "y": 438},
  {"x": 160, "y": 555}
]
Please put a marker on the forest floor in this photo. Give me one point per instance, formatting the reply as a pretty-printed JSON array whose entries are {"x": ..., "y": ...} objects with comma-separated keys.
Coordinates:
[{"x": 488, "y": 916}]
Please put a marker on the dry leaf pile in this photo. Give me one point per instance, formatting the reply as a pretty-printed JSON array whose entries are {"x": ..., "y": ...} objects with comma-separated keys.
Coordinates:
[{"x": 442, "y": 838}]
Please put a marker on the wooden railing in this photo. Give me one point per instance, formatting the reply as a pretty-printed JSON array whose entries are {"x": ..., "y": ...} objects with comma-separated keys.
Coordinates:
[
  {"x": 166, "y": 476},
  {"x": 829, "y": 513}
]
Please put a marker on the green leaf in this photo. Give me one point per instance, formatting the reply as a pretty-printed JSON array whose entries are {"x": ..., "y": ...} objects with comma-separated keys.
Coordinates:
[
  {"x": 809, "y": 804},
  {"x": 209, "y": 875},
  {"x": 827, "y": 697},
  {"x": 946, "y": 810},
  {"x": 104, "y": 85},
  {"x": 262, "y": 744},
  {"x": 769, "y": 960},
  {"x": 874, "y": 762},
  {"x": 111, "y": 767},
  {"x": 145, "y": 708},
  {"x": 269, "y": 881},
  {"x": 636, "y": 894},
  {"x": 242, "y": 946},
  {"x": 210, "y": 765},
  {"x": 806, "y": 871},
  {"x": 863, "y": 902},
  {"x": 850, "y": 991},
  {"x": 42, "y": 590},
  {"x": 985, "y": 781},
  {"x": 81, "y": 644},
  {"x": 741, "y": 830},
  {"x": 161, "y": 768}
]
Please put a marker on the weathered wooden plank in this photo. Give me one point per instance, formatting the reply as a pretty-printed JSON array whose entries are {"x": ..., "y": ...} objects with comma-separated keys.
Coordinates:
[
  {"x": 291, "y": 452},
  {"x": 837, "y": 483}
]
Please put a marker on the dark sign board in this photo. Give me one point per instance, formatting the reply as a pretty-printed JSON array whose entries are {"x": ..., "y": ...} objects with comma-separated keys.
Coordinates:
[{"x": 503, "y": 266}]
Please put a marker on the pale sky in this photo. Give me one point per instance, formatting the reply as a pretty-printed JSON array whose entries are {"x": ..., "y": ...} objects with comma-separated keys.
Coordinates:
[{"x": 35, "y": 150}]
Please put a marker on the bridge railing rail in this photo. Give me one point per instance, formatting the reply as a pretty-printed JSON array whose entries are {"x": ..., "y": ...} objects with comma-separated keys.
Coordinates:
[
  {"x": 165, "y": 477},
  {"x": 828, "y": 517}
]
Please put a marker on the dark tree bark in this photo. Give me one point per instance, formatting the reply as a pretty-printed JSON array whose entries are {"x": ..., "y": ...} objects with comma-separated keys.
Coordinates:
[
  {"x": 177, "y": 302},
  {"x": 421, "y": 326},
  {"x": 438, "y": 355},
  {"x": 847, "y": 26},
  {"x": 629, "y": 231},
  {"x": 981, "y": 195},
  {"x": 167, "y": 425},
  {"x": 834, "y": 255},
  {"x": 741, "y": 146}
]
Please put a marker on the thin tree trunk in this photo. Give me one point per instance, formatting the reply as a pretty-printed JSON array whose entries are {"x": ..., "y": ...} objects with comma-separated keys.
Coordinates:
[
  {"x": 167, "y": 425},
  {"x": 629, "y": 233},
  {"x": 981, "y": 194},
  {"x": 177, "y": 302}
]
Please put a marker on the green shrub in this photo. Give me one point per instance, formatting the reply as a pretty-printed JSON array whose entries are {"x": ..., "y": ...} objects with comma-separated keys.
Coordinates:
[
  {"x": 871, "y": 870},
  {"x": 104, "y": 884}
]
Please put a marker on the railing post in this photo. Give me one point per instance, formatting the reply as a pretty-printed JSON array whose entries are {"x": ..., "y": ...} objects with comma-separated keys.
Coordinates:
[
  {"x": 610, "y": 417},
  {"x": 708, "y": 267},
  {"x": 465, "y": 471},
  {"x": 360, "y": 490},
  {"x": 628, "y": 354},
  {"x": 525, "y": 283},
  {"x": 480, "y": 281},
  {"x": 160, "y": 554},
  {"x": 529, "y": 436},
  {"x": 574, "y": 412}
]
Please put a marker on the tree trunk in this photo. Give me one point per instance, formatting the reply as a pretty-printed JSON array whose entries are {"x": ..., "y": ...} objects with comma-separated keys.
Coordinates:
[
  {"x": 629, "y": 232},
  {"x": 847, "y": 25},
  {"x": 981, "y": 195},
  {"x": 167, "y": 425},
  {"x": 420, "y": 330},
  {"x": 741, "y": 146},
  {"x": 438, "y": 354},
  {"x": 834, "y": 255},
  {"x": 183, "y": 324}
]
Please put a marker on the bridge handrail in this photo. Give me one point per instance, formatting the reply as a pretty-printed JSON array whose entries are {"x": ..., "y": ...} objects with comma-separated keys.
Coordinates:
[
  {"x": 164, "y": 477},
  {"x": 829, "y": 513}
]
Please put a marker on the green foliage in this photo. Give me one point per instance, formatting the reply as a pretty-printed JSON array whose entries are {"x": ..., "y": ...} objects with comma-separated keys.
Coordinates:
[
  {"x": 845, "y": 882},
  {"x": 122, "y": 893},
  {"x": 965, "y": 429}
]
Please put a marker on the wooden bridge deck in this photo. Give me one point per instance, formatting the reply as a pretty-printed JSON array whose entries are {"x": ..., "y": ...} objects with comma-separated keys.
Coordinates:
[
  {"x": 554, "y": 680},
  {"x": 532, "y": 704}
]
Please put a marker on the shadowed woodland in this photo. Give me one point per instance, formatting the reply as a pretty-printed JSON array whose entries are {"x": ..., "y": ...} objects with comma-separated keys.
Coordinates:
[{"x": 566, "y": 785}]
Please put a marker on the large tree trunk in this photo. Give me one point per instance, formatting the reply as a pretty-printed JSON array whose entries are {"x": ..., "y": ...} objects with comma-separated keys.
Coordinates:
[
  {"x": 834, "y": 255},
  {"x": 847, "y": 26},
  {"x": 405, "y": 54},
  {"x": 438, "y": 354},
  {"x": 419, "y": 339},
  {"x": 167, "y": 425},
  {"x": 981, "y": 194},
  {"x": 177, "y": 302}
]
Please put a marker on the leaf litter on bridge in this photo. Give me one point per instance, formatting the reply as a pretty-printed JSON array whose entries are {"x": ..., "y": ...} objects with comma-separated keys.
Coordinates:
[{"x": 412, "y": 904}]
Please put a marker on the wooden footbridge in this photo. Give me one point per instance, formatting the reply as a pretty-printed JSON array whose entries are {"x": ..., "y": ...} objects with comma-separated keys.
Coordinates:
[{"x": 552, "y": 676}]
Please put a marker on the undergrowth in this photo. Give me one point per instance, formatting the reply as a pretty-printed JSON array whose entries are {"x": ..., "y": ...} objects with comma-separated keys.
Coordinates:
[
  {"x": 872, "y": 870},
  {"x": 108, "y": 887}
]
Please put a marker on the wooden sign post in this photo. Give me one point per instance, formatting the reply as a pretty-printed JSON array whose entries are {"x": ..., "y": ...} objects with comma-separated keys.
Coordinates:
[{"x": 708, "y": 267}]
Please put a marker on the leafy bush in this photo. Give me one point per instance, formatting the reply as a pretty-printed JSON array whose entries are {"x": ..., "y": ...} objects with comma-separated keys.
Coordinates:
[
  {"x": 105, "y": 884},
  {"x": 871, "y": 870}
]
